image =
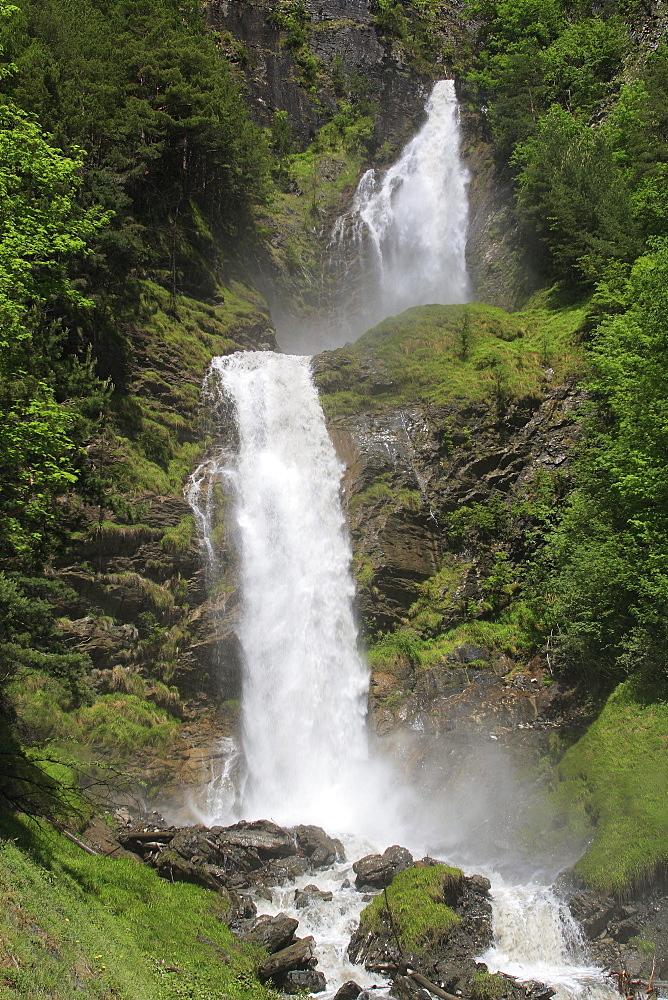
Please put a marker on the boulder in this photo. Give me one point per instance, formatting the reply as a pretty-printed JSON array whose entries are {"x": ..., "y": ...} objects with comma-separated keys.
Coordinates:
[
  {"x": 378, "y": 870},
  {"x": 296, "y": 956},
  {"x": 304, "y": 979},
  {"x": 309, "y": 893},
  {"x": 269, "y": 840},
  {"x": 191, "y": 842},
  {"x": 272, "y": 933},
  {"x": 469, "y": 654},
  {"x": 286, "y": 869},
  {"x": 593, "y": 912},
  {"x": 349, "y": 991},
  {"x": 319, "y": 848}
]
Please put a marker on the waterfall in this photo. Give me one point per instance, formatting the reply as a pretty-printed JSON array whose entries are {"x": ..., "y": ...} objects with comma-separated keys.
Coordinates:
[
  {"x": 305, "y": 682},
  {"x": 537, "y": 939},
  {"x": 403, "y": 241},
  {"x": 415, "y": 216}
]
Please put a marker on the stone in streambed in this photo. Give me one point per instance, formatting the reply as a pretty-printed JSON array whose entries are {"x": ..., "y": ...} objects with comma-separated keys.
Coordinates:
[
  {"x": 272, "y": 933},
  {"x": 309, "y": 893},
  {"x": 267, "y": 838},
  {"x": 171, "y": 866},
  {"x": 349, "y": 991},
  {"x": 378, "y": 870},
  {"x": 321, "y": 849},
  {"x": 296, "y": 956},
  {"x": 304, "y": 979}
]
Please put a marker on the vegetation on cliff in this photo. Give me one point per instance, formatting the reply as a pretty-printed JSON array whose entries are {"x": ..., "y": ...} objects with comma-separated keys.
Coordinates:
[{"x": 131, "y": 175}]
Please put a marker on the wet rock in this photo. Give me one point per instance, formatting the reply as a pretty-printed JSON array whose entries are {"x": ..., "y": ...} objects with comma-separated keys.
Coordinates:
[
  {"x": 624, "y": 931},
  {"x": 592, "y": 912},
  {"x": 378, "y": 870},
  {"x": 263, "y": 836},
  {"x": 479, "y": 884},
  {"x": 310, "y": 893},
  {"x": 349, "y": 991},
  {"x": 286, "y": 869},
  {"x": 272, "y": 933},
  {"x": 193, "y": 843},
  {"x": 296, "y": 956},
  {"x": 319, "y": 848},
  {"x": 305, "y": 979},
  {"x": 469, "y": 654}
]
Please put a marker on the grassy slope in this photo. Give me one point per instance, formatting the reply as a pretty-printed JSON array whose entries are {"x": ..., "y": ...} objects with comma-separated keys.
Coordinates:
[
  {"x": 444, "y": 354},
  {"x": 617, "y": 774},
  {"x": 76, "y": 926}
]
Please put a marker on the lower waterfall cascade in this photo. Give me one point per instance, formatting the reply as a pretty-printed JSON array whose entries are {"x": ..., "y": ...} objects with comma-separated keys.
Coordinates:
[{"x": 304, "y": 751}]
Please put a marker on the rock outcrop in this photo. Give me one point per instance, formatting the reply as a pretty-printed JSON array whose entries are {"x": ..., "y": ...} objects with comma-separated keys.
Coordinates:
[
  {"x": 344, "y": 39},
  {"x": 236, "y": 858}
]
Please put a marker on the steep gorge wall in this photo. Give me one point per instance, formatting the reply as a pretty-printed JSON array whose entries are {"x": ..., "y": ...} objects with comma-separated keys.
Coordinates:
[{"x": 342, "y": 33}]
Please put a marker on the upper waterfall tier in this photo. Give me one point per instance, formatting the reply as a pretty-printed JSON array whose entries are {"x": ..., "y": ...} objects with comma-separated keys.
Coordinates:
[{"x": 403, "y": 241}]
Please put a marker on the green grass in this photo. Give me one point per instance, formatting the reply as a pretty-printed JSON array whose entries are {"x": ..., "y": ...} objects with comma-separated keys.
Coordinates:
[
  {"x": 415, "y": 897},
  {"x": 441, "y": 354},
  {"x": 171, "y": 340},
  {"x": 118, "y": 723},
  {"x": 396, "y": 653},
  {"x": 437, "y": 599},
  {"x": 384, "y": 498},
  {"x": 487, "y": 986},
  {"x": 74, "y": 926},
  {"x": 179, "y": 538},
  {"x": 617, "y": 776},
  {"x": 498, "y": 637}
]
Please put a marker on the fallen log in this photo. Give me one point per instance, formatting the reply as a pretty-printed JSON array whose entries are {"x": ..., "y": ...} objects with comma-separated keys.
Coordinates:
[
  {"x": 432, "y": 987},
  {"x": 141, "y": 836},
  {"x": 80, "y": 843}
]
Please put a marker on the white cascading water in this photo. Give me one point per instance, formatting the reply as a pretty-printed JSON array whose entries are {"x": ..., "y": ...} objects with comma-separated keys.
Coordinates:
[
  {"x": 537, "y": 939},
  {"x": 305, "y": 682},
  {"x": 412, "y": 220}
]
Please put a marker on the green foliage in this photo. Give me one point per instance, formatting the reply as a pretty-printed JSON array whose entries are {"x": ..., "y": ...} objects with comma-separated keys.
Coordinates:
[
  {"x": 486, "y": 520},
  {"x": 96, "y": 926},
  {"x": 437, "y": 600},
  {"x": 41, "y": 230},
  {"x": 171, "y": 149},
  {"x": 487, "y": 985},
  {"x": 396, "y": 653},
  {"x": 510, "y": 635},
  {"x": 610, "y": 553},
  {"x": 117, "y": 724},
  {"x": 416, "y": 899},
  {"x": 616, "y": 775},
  {"x": 573, "y": 195}
]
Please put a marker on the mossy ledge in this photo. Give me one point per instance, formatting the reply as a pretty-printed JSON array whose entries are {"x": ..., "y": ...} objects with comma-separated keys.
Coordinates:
[
  {"x": 416, "y": 900},
  {"x": 442, "y": 354}
]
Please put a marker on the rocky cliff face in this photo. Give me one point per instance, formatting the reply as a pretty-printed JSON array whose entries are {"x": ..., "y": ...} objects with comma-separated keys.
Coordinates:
[{"x": 344, "y": 40}]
